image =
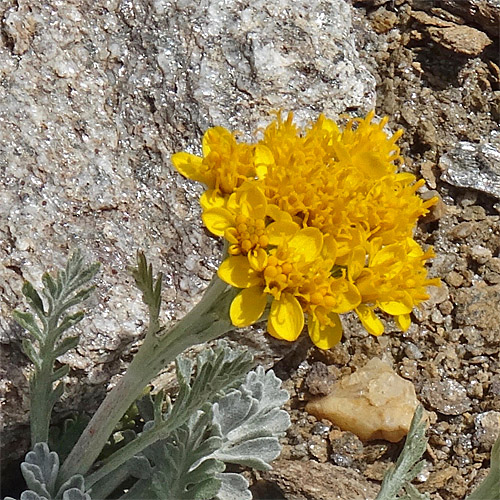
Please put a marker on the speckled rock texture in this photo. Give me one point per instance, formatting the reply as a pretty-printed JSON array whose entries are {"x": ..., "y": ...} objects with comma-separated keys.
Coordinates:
[{"x": 94, "y": 98}]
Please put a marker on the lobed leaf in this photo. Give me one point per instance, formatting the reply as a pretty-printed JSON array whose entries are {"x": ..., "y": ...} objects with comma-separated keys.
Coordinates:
[
  {"x": 27, "y": 321},
  {"x": 181, "y": 467},
  {"x": 61, "y": 292},
  {"x": 233, "y": 487},
  {"x": 30, "y": 351},
  {"x": 407, "y": 466},
  {"x": 250, "y": 421},
  {"x": 34, "y": 299},
  {"x": 40, "y": 470},
  {"x": 68, "y": 343}
]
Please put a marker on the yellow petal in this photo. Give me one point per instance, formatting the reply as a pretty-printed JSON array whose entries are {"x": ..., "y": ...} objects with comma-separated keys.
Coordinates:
[
  {"x": 248, "y": 306},
  {"x": 341, "y": 151},
  {"x": 348, "y": 297},
  {"x": 330, "y": 126},
  {"x": 403, "y": 321},
  {"x": 281, "y": 231},
  {"x": 189, "y": 166},
  {"x": 211, "y": 199},
  {"x": 329, "y": 250},
  {"x": 395, "y": 308},
  {"x": 213, "y": 137},
  {"x": 277, "y": 214},
  {"x": 263, "y": 160},
  {"x": 286, "y": 318},
  {"x": 325, "y": 336},
  {"x": 356, "y": 263},
  {"x": 253, "y": 203},
  {"x": 371, "y": 165},
  {"x": 414, "y": 249},
  {"x": 388, "y": 254},
  {"x": 257, "y": 259},
  {"x": 231, "y": 235},
  {"x": 236, "y": 271},
  {"x": 217, "y": 220},
  {"x": 370, "y": 320},
  {"x": 307, "y": 243}
]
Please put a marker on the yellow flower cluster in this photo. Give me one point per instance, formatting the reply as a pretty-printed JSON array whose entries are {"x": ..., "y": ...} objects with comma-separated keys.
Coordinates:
[{"x": 318, "y": 222}]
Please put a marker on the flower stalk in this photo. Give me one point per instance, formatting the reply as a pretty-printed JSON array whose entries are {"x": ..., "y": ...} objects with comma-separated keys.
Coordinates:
[{"x": 208, "y": 320}]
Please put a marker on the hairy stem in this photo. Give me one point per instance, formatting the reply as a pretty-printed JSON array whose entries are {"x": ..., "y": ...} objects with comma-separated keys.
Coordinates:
[
  {"x": 41, "y": 390},
  {"x": 206, "y": 321}
]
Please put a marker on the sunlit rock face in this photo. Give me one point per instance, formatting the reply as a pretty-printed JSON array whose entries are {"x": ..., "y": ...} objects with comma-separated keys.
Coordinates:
[
  {"x": 94, "y": 99},
  {"x": 373, "y": 403}
]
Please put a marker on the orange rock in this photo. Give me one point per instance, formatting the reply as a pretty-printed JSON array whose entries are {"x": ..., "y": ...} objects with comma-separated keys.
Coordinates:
[{"x": 373, "y": 403}]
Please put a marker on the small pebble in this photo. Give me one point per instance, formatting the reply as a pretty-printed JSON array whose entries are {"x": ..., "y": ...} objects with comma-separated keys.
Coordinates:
[
  {"x": 446, "y": 396},
  {"x": 373, "y": 403},
  {"x": 487, "y": 426}
]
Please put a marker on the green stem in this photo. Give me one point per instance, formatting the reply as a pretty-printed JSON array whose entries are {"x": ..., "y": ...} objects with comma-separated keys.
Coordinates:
[
  {"x": 133, "y": 448},
  {"x": 41, "y": 388},
  {"x": 208, "y": 320}
]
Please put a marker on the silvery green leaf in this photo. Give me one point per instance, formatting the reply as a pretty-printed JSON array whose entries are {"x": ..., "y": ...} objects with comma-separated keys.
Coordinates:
[
  {"x": 490, "y": 487},
  {"x": 75, "y": 483},
  {"x": 27, "y": 321},
  {"x": 34, "y": 299},
  {"x": 266, "y": 388},
  {"x": 69, "y": 342},
  {"x": 255, "y": 453},
  {"x": 233, "y": 487},
  {"x": 181, "y": 467},
  {"x": 50, "y": 284},
  {"x": 56, "y": 393},
  {"x": 250, "y": 421},
  {"x": 28, "y": 495},
  {"x": 31, "y": 495},
  {"x": 61, "y": 293},
  {"x": 407, "y": 465},
  {"x": 183, "y": 367},
  {"x": 217, "y": 371},
  {"x": 40, "y": 469},
  {"x": 32, "y": 353},
  {"x": 75, "y": 494},
  {"x": 73, "y": 489}
]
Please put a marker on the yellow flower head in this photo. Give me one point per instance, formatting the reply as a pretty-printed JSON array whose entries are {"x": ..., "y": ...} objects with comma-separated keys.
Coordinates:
[
  {"x": 241, "y": 221},
  {"x": 295, "y": 280},
  {"x": 318, "y": 222},
  {"x": 395, "y": 280},
  {"x": 225, "y": 165}
]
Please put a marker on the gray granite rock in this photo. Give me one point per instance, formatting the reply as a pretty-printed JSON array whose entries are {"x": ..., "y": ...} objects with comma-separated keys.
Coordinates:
[
  {"x": 94, "y": 98},
  {"x": 475, "y": 166}
]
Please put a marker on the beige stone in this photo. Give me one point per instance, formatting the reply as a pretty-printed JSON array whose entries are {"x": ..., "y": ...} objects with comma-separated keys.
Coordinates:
[
  {"x": 373, "y": 403},
  {"x": 456, "y": 37}
]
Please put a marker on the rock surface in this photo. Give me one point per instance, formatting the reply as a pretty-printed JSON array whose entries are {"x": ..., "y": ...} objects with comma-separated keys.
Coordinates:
[
  {"x": 439, "y": 97},
  {"x": 290, "y": 481},
  {"x": 475, "y": 166},
  {"x": 446, "y": 396},
  {"x": 373, "y": 403},
  {"x": 94, "y": 98},
  {"x": 487, "y": 429},
  {"x": 483, "y": 13},
  {"x": 452, "y": 36}
]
